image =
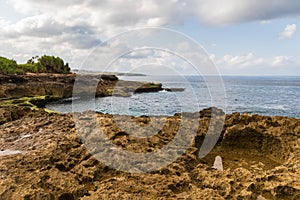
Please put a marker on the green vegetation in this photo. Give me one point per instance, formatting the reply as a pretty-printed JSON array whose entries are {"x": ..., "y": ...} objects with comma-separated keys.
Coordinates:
[
  {"x": 8, "y": 66},
  {"x": 44, "y": 64},
  {"x": 32, "y": 68},
  {"x": 152, "y": 85},
  {"x": 51, "y": 64}
]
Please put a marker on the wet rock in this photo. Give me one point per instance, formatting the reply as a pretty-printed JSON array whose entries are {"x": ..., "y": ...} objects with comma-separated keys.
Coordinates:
[
  {"x": 109, "y": 77},
  {"x": 149, "y": 87},
  {"x": 174, "y": 89}
]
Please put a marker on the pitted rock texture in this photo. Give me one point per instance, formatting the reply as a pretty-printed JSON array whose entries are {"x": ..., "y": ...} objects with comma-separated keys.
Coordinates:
[{"x": 261, "y": 159}]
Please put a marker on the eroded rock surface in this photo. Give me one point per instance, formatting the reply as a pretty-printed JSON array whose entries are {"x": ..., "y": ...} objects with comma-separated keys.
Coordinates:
[
  {"x": 261, "y": 159},
  {"x": 62, "y": 86}
]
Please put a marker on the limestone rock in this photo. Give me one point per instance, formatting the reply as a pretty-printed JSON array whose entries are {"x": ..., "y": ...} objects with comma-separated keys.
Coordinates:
[{"x": 55, "y": 164}]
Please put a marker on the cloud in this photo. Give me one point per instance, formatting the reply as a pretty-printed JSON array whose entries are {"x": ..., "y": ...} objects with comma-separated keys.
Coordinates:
[
  {"x": 141, "y": 54},
  {"x": 71, "y": 29},
  {"x": 252, "y": 64},
  {"x": 238, "y": 60},
  {"x": 244, "y": 61},
  {"x": 288, "y": 32},
  {"x": 159, "y": 13},
  {"x": 222, "y": 12},
  {"x": 154, "y": 62},
  {"x": 284, "y": 61}
]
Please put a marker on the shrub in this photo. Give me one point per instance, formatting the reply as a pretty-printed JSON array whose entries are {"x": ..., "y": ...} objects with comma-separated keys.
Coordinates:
[
  {"x": 51, "y": 64},
  {"x": 8, "y": 66},
  {"x": 44, "y": 64},
  {"x": 32, "y": 68}
]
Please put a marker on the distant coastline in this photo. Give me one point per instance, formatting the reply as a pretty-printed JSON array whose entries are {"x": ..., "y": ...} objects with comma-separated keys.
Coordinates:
[{"x": 77, "y": 71}]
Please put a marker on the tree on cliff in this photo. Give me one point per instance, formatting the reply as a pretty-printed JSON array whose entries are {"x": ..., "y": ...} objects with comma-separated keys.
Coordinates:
[{"x": 51, "y": 64}]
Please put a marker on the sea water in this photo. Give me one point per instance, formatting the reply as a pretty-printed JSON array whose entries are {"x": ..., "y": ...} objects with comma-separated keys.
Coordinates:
[{"x": 255, "y": 95}]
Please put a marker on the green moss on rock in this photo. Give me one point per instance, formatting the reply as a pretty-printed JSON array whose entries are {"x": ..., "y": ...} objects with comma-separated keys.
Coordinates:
[{"x": 33, "y": 103}]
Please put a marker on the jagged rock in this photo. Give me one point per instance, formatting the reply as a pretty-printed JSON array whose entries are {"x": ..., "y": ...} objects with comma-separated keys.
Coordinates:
[
  {"x": 207, "y": 112},
  {"x": 11, "y": 113},
  {"x": 53, "y": 163}
]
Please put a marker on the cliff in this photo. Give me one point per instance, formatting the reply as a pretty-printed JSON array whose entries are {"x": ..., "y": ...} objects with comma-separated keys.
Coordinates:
[{"x": 60, "y": 86}]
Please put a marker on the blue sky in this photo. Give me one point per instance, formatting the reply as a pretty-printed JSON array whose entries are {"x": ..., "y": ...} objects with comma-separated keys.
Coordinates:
[
  {"x": 245, "y": 37},
  {"x": 241, "y": 37}
]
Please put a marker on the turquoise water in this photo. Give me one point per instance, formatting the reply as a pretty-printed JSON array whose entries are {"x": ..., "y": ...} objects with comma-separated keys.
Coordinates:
[{"x": 255, "y": 95}]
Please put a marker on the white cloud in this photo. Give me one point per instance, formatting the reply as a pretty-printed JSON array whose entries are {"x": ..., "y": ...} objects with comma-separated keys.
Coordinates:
[
  {"x": 288, "y": 32},
  {"x": 234, "y": 11},
  {"x": 72, "y": 29},
  {"x": 156, "y": 12},
  {"x": 155, "y": 62},
  {"x": 284, "y": 61},
  {"x": 212, "y": 57},
  {"x": 250, "y": 64},
  {"x": 238, "y": 61},
  {"x": 250, "y": 60}
]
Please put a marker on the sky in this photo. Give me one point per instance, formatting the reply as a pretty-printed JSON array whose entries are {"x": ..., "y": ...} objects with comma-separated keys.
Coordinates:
[{"x": 241, "y": 37}]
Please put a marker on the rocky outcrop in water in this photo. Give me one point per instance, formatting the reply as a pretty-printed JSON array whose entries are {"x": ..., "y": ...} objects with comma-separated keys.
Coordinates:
[{"x": 260, "y": 154}]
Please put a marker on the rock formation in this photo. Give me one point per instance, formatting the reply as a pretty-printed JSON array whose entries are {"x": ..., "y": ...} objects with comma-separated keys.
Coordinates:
[
  {"x": 261, "y": 159},
  {"x": 60, "y": 86}
]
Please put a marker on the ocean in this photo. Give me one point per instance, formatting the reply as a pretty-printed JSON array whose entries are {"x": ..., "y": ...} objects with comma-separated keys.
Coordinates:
[{"x": 266, "y": 95}]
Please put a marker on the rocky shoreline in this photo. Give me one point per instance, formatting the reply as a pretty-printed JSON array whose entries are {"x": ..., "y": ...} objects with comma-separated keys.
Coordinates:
[
  {"x": 43, "y": 157},
  {"x": 62, "y": 86}
]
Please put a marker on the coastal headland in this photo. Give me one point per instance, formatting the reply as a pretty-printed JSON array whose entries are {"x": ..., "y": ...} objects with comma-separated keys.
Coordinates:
[{"x": 59, "y": 86}]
